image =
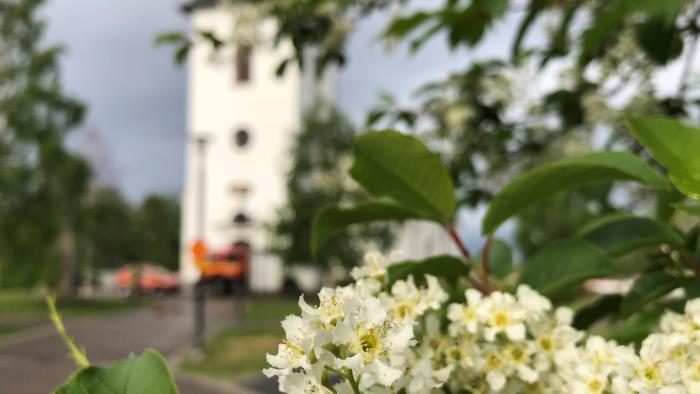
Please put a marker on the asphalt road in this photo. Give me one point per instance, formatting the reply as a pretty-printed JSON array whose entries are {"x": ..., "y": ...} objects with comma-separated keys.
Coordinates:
[{"x": 36, "y": 362}]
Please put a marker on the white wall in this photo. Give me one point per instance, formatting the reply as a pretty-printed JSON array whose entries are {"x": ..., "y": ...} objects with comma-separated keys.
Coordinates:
[{"x": 267, "y": 107}]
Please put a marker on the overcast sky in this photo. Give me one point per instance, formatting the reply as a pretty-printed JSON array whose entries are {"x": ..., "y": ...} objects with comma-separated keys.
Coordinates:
[{"x": 134, "y": 131}]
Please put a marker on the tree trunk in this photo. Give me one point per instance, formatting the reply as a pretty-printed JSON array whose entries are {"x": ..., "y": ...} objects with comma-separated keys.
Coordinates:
[{"x": 67, "y": 285}]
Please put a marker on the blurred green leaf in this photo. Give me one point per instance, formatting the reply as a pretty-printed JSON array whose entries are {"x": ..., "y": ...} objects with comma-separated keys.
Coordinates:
[
  {"x": 209, "y": 36},
  {"x": 147, "y": 373},
  {"x": 562, "y": 265},
  {"x": 568, "y": 174},
  {"x": 331, "y": 221},
  {"x": 447, "y": 267},
  {"x": 604, "y": 306},
  {"x": 691, "y": 287},
  {"x": 635, "y": 329},
  {"x": 500, "y": 258},
  {"x": 402, "y": 26},
  {"x": 621, "y": 233},
  {"x": 181, "y": 53},
  {"x": 665, "y": 11},
  {"x": 675, "y": 146},
  {"x": 374, "y": 116},
  {"x": 535, "y": 8},
  {"x": 660, "y": 41},
  {"x": 647, "y": 288},
  {"x": 390, "y": 164},
  {"x": 170, "y": 37},
  {"x": 609, "y": 19},
  {"x": 693, "y": 210}
]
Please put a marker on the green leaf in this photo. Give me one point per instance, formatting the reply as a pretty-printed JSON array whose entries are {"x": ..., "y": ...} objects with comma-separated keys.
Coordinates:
[
  {"x": 563, "y": 264},
  {"x": 634, "y": 330},
  {"x": 171, "y": 37},
  {"x": 647, "y": 288},
  {"x": 596, "y": 37},
  {"x": 568, "y": 174},
  {"x": 665, "y": 11},
  {"x": 209, "y": 36},
  {"x": 444, "y": 266},
  {"x": 402, "y": 26},
  {"x": 388, "y": 163},
  {"x": 600, "y": 308},
  {"x": 693, "y": 210},
  {"x": 331, "y": 221},
  {"x": 500, "y": 258},
  {"x": 534, "y": 9},
  {"x": 181, "y": 53},
  {"x": 621, "y": 233},
  {"x": 675, "y": 146},
  {"x": 660, "y": 41},
  {"x": 691, "y": 287},
  {"x": 147, "y": 373}
]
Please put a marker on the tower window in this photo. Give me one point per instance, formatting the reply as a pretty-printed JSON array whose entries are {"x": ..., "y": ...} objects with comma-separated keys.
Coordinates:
[
  {"x": 241, "y": 138},
  {"x": 243, "y": 54},
  {"x": 241, "y": 219}
]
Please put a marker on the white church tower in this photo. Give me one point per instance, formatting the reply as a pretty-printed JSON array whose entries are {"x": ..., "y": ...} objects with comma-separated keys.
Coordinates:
[{"x": 241, "y": 120}]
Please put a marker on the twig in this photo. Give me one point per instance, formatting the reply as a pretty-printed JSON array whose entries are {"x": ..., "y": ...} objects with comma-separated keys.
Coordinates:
[
  {"x": 76, "y": 354},
  {"x": 455, "y": 237},
  {"x": 485, "y": 257},
  {"x": 465, "y": 252}
]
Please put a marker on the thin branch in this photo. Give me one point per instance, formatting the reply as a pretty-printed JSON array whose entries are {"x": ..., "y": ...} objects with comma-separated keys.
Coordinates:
[
  {"x": 485, "y": 258},
  {"x": 78, "y": 355},
  {"x": 465, "y": 252},
  {"x": 458, "y": 241}
]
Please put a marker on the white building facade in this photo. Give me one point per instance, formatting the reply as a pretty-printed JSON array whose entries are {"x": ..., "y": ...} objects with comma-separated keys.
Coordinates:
[
  {"x": 241, "y": 121},
  {"x": 247, "y": 117}
]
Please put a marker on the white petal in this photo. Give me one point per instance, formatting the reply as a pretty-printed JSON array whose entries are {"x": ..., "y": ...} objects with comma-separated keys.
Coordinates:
[
  {"x": 516, "y": 332},
  {"x": 385, "y": 374},
  {"x": 496, "y": 380}
]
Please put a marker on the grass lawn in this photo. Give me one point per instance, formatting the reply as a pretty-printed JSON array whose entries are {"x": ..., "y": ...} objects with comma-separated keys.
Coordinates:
[
  {"x": 25, "y": 304},
  {"x": 236, "y": 354},
  {"x": 270, "y": 309},
  {"x": 20, "y": 310},
  {"x": 239, "y": 353}
]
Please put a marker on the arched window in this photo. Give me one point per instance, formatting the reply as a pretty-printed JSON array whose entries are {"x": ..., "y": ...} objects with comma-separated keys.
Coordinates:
[
  {"x": 241, "y": 219},
  {"x": 243, "y": 55},
  {"x": 241, "y": 138}
]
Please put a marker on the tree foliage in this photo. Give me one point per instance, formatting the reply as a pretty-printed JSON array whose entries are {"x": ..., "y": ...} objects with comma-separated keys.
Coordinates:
[
  {"x": 318, "y": 177},
  {"x": 42, "y": 185}
]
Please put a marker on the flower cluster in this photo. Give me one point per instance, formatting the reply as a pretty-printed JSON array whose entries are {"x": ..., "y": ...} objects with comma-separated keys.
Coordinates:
[{"x": 369, "y": 337}]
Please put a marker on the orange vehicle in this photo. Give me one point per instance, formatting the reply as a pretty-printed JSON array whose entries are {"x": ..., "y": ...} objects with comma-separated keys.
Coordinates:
[
  {"x": 151, "y": 278},
  {"x": 227, "y": 268}
]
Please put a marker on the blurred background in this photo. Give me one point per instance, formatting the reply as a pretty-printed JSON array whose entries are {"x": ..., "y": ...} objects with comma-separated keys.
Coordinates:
[{"x": 161, "y": 161}]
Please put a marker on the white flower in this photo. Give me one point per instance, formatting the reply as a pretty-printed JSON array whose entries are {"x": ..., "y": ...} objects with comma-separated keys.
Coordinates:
[
  {"x": 464, "y": 317},
  {"x": 502, "y": 315},
  {"x": 303, "y": 382},
  {"x": 393, "y": 340}
]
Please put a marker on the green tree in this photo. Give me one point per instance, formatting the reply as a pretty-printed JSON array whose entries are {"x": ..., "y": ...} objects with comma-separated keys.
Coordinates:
[
  {"x": 493, "y": 119},
  {"x": 318, "y": 177},
  {"x": 111, "y": 237},
  {"x": 41, "y": 184},
  {"x": 157, "y": 222}
]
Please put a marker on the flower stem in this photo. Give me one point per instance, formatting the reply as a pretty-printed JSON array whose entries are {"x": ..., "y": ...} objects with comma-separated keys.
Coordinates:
[
  {"x": 458, "y": 241},
  {"x": 450, "y": 228},
  {"x": 76, "y": 354},
  {"x": 486, "y": 269},
  {"x": 353, "y": 383}
]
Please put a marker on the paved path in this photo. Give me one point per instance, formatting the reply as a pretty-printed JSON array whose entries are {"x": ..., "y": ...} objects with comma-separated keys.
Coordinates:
[{"x": 35, "y": 362}]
